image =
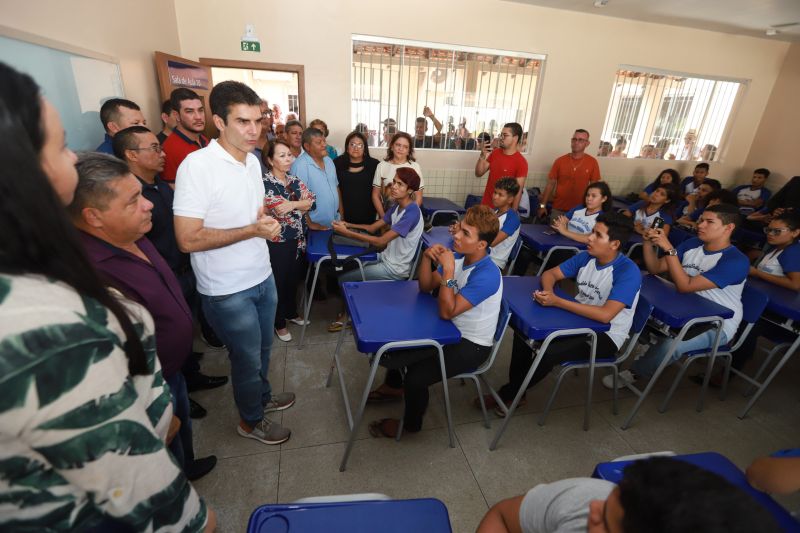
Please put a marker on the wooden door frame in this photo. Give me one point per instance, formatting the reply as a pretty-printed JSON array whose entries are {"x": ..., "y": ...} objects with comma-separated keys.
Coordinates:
[{"x": 257, "y": 65}]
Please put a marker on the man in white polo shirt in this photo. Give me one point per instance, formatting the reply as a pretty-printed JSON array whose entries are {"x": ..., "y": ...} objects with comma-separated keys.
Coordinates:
[{"x": 219, "y": 219}]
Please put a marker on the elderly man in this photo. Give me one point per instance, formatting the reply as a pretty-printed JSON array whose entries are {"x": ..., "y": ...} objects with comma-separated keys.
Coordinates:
[
  {"x": 569, "y": 176},
  {"x": 117, "y": 114},
  {"x": 113, "y": 218},
  {"x": 220, "y": 220},
  {"x": 138, "y": 147},
  {"x": 316, "y": 170}
]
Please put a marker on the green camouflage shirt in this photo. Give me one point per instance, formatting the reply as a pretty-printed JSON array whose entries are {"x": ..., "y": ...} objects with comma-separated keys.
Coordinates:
[{"x": 82, "y": 441}]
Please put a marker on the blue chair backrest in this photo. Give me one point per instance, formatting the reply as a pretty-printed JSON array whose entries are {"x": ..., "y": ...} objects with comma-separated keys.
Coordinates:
[
  {"x": 502, "y": 319},
  {"x": 515, "y": 249},
  {"x": 641, "y": 314},
  {"x": 678, "y": 235},
  {"x": 753, "y": 303}
]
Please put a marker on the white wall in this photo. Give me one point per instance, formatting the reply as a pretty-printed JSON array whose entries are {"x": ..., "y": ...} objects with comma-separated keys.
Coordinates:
[{"x": 583, "y": 54}]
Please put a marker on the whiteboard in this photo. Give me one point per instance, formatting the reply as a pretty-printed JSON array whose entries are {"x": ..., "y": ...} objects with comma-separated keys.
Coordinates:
[{"x": 76, "y": 84}]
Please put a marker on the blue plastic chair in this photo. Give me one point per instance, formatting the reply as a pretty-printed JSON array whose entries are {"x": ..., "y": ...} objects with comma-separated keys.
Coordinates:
[
  {"x": 640, "y": 316},
  {"x": 753, "y": 305},
  {"x": 512, "y": 257}
]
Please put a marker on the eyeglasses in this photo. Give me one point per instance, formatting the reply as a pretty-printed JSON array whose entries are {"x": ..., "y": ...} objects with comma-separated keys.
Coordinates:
[
  {"x": 775, "y": 231},
  {"x": 576, "y": 140},
  {"x": 356, "y": 146},
  {"x": 153, "y": 148}
]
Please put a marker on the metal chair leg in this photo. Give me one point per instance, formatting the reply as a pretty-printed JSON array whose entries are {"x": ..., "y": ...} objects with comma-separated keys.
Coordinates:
[
  {"x": 675, "y": 382},
  {"x": 552, "y": 397}
]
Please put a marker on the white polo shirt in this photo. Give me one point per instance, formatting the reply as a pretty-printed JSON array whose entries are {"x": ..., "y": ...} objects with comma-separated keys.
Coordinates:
[{"x": 225, "y": 194}]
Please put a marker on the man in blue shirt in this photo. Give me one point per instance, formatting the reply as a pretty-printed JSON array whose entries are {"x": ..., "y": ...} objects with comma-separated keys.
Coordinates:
[
  {"x": 708, "y": 265},
  {"x": 316, "y": 170},
  {"x": 608, "y": 290},
  {"x": 117, "y": 114}
]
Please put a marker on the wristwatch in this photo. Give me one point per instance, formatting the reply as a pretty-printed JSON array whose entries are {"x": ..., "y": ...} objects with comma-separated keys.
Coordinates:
[
  {"x": 450, "y": 283},
  {"x": 672, "y": 251},
  {"x": 542, "y": 206}
]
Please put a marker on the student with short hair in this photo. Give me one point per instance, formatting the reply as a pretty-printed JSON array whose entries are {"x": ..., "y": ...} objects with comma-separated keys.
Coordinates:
[
  {"x": 707, "y": 265},
  {"x": 578, "y": 222},
  {"x": 646, "y": 499},
  {"x": 754, "y": 196},
  {"x": 505, "y": 193},
  {"x": 719, "y": 196},
  {"x": 470, "y": 294},
  {"x": 698, "y": 199},
  {"x": 615, "y": 282},
  {"x": 691, "y": 183}
]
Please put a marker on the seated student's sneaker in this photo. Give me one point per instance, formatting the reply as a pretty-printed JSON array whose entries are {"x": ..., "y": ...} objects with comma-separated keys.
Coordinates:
[
  {"x": 285, "y": 337},
  {"x": 201, "y": 467},
  {"x": 266, "y": 431},
  {"x": 300, "y": 321},
  {"x": 625, "y": 378},
  {"x": 279, "y": 402}
]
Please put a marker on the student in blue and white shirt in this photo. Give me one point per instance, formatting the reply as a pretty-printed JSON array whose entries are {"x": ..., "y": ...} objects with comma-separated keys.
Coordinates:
[
  {"x": 779, "y": 265},
  {"x": 708, "y": 265},
  {"x": 690, "y": 183},
  {"x": 403, "y": 224},
  {"x": 608, "y": 290},
  {"x": 668, "y": 176},
  {"x": 505, "y": 191},
  {"x": 578, "y": 222},
  {"x": 660, "y": 204},
  {"x": 753, "y": 197},
  {"x": 470, "y": 293}
]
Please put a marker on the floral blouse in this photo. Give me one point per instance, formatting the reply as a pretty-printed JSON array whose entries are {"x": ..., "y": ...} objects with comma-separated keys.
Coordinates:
[{"x": 293, "y": 224}]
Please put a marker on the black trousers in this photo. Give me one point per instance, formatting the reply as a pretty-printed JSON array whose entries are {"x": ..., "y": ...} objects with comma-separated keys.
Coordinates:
[
  {"x": 286, "y": 268},
  {"x": 760, "y": 328},
  {"x": 422, "y": 371},
  {"x": 560, "y": 350}
]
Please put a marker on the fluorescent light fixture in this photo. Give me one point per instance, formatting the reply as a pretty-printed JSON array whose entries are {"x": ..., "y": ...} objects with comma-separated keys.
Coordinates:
[
  {"x": 771, "y": 32},
  {"x": 600, "y": 3}
]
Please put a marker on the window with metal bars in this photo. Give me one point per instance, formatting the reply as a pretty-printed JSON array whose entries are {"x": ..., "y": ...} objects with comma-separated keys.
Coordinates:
[
  {"x": 443, "y": 96},
  {"x": 655, "y": 114}
]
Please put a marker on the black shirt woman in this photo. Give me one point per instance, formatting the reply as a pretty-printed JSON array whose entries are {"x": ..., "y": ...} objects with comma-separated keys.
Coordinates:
[{"x": 356, "y": 170}]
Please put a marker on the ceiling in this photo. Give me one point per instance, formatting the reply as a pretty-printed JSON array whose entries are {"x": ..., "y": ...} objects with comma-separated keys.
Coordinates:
[{"x": 741, "y": 17}]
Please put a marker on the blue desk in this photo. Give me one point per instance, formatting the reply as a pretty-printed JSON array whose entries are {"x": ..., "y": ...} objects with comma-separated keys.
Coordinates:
[
  {"x": 391, "y": 315},
  {"x": 317, "y": 253},
  {"x": 544, "y": 324},
  {"x": 719, "y": 464},
  {"x": 432, "y": 206},
  {"x": 390, "y": 516},
  {"x": 437, "y": 235},
  {"x": 679, "y": 311},
  {"x": 784, "y": 303},
  {"x": 538, "y": 238}
]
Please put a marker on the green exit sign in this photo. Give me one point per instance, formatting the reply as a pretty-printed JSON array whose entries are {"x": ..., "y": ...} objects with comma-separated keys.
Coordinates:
[{"x": 251, "y": 46}]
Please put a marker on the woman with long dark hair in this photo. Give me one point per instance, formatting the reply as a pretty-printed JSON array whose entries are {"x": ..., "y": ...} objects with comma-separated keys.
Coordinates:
[
  {"x": 84, "y": 407},
  {"x": 356, "y": 170}
]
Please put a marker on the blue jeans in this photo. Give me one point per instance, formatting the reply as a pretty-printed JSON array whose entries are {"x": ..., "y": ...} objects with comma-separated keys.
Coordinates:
[
  {"x": 244, "y": 321},
  {"x": 647, "y": 365},
  {"x": 181, "y": 446}
]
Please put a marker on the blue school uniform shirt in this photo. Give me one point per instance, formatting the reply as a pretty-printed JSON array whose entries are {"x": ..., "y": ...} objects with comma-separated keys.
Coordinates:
[
  {"x": 688, "y": 186},
  {"x": 619, "y": 280},
  {"x": 509, "y": 224},
  {"x": 482, "y": 286},
  {"x": 579, "y": 221},
  {"x": 781, "y": 262},
  {"x": 399, "y": 253},
  {"x": 727, "y": 269},
  {"x": 746, "y": 192},
  {"x": 640, "y": 215}
]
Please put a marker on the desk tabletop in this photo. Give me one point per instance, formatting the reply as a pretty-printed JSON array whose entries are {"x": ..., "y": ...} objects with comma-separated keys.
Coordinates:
[
  {"x": 388, "y": 516},
  {"x": 438, "y": 235},
  {"x": 535, "y": 237},
  {"x": 674, "y": 308},
  {"x": 719, "y": 464},
  {"x": 432, "y": 203},
  {"x": 317, "y": 247},
  {"x": 389, "y": 311},
  {"x": 783, "y": 302},
  {"x": 533, "y": 320}
]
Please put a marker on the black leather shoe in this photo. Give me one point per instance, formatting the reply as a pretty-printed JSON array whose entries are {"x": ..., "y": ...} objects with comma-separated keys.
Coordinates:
[
  {"x": 202, "y": 382},
  {"x": 196, "y": 410},
  {"x": 201, "y": 467}
]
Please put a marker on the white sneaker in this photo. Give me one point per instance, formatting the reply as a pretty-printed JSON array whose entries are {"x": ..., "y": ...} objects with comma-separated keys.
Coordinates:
[
  {"x": 624, "y": 379},
  {"x": 285, "y": 337},
  {"x": 300, "y": 321}
]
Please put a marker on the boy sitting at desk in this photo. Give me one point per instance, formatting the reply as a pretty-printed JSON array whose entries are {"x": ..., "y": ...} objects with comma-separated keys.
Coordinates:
[
  {"x": 608, "y": 289},
  {"x": 505, "y": 191},
  {"x": 403, "y": 224},
  {"x": 708, "y": 265},
  {"x": 470, "y": 292}
]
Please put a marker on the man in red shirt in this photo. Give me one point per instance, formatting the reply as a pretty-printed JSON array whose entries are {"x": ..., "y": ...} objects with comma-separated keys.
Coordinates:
[
  {"x": 504, "y": 162},
  {"x": 570, "y": 175},
  {"x": 188, "y": 135}
]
